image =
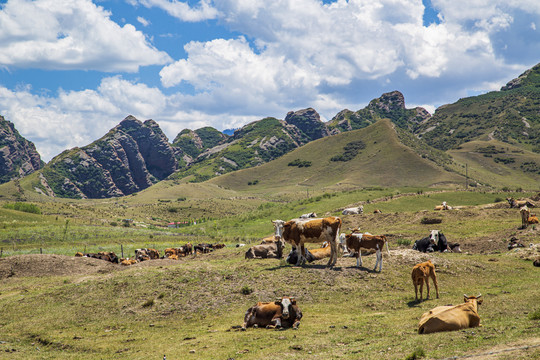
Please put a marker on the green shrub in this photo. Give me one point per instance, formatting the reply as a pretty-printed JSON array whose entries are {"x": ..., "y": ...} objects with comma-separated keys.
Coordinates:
[
  {"x": 350, "y": 151},
  {"x": 417, "y": 354},
  {"x": 404, "y": 242},
  {"x": 535, "y": 315},
  {"x": 148, "y": 303},
  {"x": 246, "y": 290},
  {"x": 172, "y": 209},
  {"x": 113, "y": 223},
  {"x": 25, "y": 207},
  {"x": 300, "y": 163}
]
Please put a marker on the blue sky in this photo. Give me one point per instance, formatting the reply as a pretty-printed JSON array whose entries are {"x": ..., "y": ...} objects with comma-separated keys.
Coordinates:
[{"x": 72, "y": 69}]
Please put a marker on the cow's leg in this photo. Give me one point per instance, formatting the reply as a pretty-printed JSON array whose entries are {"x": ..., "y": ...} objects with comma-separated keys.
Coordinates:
[
  {"x": 434, "y": 277},
  {"x": 378, "y": 260},
  {"x": 422, "y": 289},
  {"x": 301, "y": 259},
  {"x": 333, "y": 252},
  {"x": 275, "y": 323},
  {"x": 426, "y": 279},
  {"x": 359, "y": 257},
  {"x": 415, "y": 289}
]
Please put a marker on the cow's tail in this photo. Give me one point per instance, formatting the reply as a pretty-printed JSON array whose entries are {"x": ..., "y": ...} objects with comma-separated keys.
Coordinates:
[{"x": 386, "y": 241}]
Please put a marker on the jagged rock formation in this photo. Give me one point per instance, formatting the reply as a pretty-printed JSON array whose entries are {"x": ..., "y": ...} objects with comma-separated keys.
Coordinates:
[
  {"x": 390, "y": 105},
  {"x": 309, "y": 122},
  {"x": 18, "y": 156},
  {"x": 130, "y": 157}
]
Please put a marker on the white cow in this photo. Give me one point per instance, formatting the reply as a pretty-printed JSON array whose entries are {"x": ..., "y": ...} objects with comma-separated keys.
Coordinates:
[{"x": 353, "y": 210}]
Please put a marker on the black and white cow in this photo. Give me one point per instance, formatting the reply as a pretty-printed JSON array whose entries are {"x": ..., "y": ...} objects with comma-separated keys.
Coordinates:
[{"x": 431, "y": 243}]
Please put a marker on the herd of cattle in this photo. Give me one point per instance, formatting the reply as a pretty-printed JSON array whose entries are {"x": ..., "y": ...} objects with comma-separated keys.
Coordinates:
[
  {"x": 153, "y": 254},
  {"x": 308, "y": 228}
]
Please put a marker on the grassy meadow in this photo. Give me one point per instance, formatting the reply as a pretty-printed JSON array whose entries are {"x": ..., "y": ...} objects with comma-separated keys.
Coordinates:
[{"x": 57, "y": 306}]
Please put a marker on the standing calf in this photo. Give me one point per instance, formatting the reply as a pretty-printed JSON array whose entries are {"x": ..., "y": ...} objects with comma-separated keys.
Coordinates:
[
  {"x": 420, "y": 274},
  {"x": 356, "y": 241}
]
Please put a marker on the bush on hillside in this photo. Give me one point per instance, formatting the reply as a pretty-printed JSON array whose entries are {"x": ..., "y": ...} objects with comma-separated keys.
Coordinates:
[
  {"x": 350, "y": 151},
  {"x": 300, "y": 163},
  {"x": 25, "y": 207}
]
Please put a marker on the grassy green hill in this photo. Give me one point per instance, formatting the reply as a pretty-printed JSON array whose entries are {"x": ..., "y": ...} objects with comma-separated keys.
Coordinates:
[
  {"x": 498, "y": 164},
  {"x": 384, "y": 161},
  {"x": 510, "y": 115}
]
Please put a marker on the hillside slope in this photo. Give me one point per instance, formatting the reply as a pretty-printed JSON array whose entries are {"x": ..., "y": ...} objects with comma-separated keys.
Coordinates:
[
  {"x": 382, "y": 160},
  {"x": 510, "y": 115}
]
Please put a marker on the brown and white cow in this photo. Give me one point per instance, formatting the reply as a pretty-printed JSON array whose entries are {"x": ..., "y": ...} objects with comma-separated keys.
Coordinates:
[
  {"x": 281, "y": 313},
  {"x": 525, "y": 213},
  {"x": 420, "y": 274},
  {"x": 450, "y": 318},
  {"x": 355, "y": 241},
  {"x": 443, "y": 206},
  {"x": 298, "y": 232},
  {"x": 266, "y": 251},
  {"x": 533, "y": 219},
  {"x": 520, "y": 203}
]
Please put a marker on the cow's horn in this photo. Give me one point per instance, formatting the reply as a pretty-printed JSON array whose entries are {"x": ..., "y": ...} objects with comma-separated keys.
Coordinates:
[
  {"x": 479, "y": 296},
  {"x": 465, "y": 295}
]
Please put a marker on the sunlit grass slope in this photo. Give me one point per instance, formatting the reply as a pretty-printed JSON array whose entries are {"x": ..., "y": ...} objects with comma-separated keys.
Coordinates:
[{"x": 383, "y": 162}]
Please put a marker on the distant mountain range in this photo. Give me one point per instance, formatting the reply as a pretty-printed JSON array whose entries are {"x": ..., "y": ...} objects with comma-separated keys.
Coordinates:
[{"x": 497, "y": 133}]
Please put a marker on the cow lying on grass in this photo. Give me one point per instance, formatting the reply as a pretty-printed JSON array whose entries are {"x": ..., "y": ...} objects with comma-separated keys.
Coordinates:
[
  {"x": 436, "y": 241},
  {"x": 265, "y": 251},
  {"x": 420, "y": 274},
  {"x": 323, "y": 252},
  {"x": 450, "y": 318},
  {"x": 102, "y": 255},
  {"x": 353, "y": 210},
  {"x": 443, "y": 206},
  {"x": 281, "y": 313},
  {"x": 520, "y": 203},
  {"x": 146, "y": 254}
]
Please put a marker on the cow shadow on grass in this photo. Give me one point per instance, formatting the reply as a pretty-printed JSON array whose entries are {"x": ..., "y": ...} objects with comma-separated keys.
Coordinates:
[
  {"x": 416, "y": 303},
  {"x": 309, "y": 266}
]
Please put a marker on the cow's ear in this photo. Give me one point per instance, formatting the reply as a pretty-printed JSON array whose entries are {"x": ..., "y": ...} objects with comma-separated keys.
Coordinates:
[
  {"x": 277, "y": 302},
  {"x": 293, "y": 301},
  {"x": 479, "y": 301}
]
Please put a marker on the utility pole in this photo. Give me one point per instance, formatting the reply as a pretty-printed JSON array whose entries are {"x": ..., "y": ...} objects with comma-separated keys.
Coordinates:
[{"x": 466, "y": 176}]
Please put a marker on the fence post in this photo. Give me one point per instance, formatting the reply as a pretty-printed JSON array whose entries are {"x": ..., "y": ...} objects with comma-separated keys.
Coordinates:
[
  {"x": 1, "y": 252},
  {"x": 122, "y": 249},
  {"x": 41, "y": 250}
]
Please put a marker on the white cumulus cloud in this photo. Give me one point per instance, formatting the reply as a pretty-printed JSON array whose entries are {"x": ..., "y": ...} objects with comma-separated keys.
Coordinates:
[
  {"x": 181, "y": 9},
  {"x": 71, "y": 34}
]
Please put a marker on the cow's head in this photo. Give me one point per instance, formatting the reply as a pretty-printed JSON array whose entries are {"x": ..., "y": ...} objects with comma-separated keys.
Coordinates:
[
  {"x": 278, "y": 225},
  {"x": 472, "y": 298},
  {"x": 434, "y": 237},
  {"x": 286, "y": 304}
]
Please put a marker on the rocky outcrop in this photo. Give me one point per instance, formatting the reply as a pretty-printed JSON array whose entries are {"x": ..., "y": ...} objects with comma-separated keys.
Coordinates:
[
  {"x": 309, "y": 122},
  {"x": 131, "y": 157},
  {"x": 388, "y": 102},
  {"x": 18, "y": 156}
]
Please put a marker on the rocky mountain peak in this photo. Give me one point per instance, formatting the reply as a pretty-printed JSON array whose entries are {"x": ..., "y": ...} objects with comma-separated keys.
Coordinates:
[
  {"x": 309, "y": 122},
  {"x": 389, "y": 102}
]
